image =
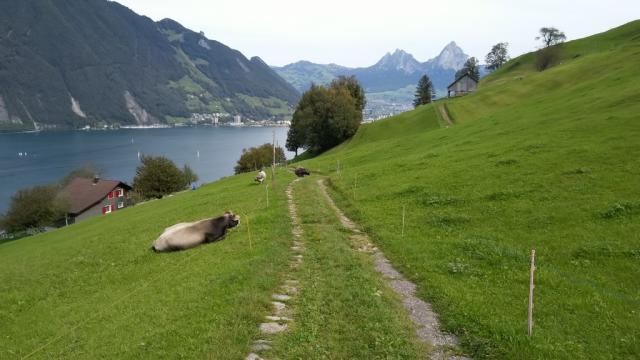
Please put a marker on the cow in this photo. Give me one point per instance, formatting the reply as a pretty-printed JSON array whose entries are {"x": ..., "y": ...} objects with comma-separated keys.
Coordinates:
[
  {"x": 189, "y": 235},
  {"x": 302, "y": 172}
]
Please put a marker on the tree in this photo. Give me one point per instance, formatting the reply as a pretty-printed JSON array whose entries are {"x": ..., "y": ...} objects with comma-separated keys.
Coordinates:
[
  {"x": 258, "y": 157},
  {"x": 157, "y": 176},
  {"x": 35, "y": 208},
  {"x": 189, "y": 175},
  {"x": 497, "y": 56},
  {"x": 470, "y": 67},
  {"x": 327, "y": 116},
  {"x": 424, "y": 91},
  {"x": 353, "y": 86},
  {"x": 87, "y": 171},
  {"x": 551, "y": 36}
]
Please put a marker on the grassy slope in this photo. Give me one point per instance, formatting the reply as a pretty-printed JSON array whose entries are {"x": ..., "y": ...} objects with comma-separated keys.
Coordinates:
[
  {"x": 545, "y": 160},
  {"x": 94, "y": 290}
]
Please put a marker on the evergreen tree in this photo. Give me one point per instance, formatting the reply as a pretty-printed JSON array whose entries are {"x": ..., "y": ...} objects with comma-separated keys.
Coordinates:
[
  {"x": 424, "y": 91},
  {"x": 470, "y": 67}
]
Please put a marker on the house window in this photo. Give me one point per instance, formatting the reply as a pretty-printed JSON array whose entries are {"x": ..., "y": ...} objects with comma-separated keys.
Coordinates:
[
  {"x": 119, "y": 192},
  {"x": 106, "y": 209},
  {"x": 110, "y": 196},
  {"x": 120, "y": 204}
]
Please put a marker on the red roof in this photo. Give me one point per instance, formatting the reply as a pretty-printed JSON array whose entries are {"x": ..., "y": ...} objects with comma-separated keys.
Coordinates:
[{"x": 85, "y": 193}]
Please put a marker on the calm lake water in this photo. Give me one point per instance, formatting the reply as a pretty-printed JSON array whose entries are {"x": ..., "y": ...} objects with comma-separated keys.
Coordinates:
[{"x": 48, "y": 156}]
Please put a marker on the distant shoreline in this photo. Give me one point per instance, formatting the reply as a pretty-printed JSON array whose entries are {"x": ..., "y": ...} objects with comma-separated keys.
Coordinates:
[{"x": 147, "y": 127}]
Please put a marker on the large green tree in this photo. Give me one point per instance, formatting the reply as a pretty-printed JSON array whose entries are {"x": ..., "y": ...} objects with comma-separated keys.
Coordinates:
[
  {"x": 157, "y": 176},
  {"x": 353, "y": 86},
  {"x": 327, "y": 116},
  {"x": 471, "y": 67},
  {"x": 424, "y": 91},
  {"x": 497, "y": 56}
]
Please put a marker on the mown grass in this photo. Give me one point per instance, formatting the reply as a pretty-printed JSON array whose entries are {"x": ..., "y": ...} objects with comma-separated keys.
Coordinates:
[
  {"x": 546, "y": 160},
  {"x": 344, "y": 309},
  {"x": 95, "y": 290}
]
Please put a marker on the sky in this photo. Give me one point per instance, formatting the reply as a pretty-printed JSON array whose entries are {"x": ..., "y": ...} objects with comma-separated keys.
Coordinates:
[{"x": 358, "y": 33}]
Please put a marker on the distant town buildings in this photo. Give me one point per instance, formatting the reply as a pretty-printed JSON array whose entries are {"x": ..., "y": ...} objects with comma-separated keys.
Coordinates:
[{"x": 237, "y": 120}]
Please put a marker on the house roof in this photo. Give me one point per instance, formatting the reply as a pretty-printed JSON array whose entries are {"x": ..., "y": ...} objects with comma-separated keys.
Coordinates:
[
  {"x": 85, "y": 193},
  {"x": 460, "y": 78}
]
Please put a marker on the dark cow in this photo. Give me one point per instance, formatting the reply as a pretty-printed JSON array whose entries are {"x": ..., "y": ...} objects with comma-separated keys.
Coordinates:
[
  {"x": 302, "y": 172},
  {"x": 189, "y": 235}
]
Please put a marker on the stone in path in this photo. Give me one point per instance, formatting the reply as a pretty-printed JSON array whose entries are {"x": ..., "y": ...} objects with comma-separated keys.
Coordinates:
[
  {"x": 281, "y": 297},
  {"x": 272, "y": 328},
  {"x": 253, "y": 356}
]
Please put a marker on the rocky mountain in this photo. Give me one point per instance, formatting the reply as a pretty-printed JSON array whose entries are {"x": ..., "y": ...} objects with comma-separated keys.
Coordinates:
[
  {"x": 393, "y": 71},
  {"x": 69, "y": 63},
  {"x": 389, "y": 83}
]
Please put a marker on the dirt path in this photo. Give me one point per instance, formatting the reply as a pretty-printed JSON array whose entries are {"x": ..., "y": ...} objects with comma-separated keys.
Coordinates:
[
  {"x": 445, "y": 115},
  {"x": 281, "y": 316},
  {"x": 443, "y": 346}
]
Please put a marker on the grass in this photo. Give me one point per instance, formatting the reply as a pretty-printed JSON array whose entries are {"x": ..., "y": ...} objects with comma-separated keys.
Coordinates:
[
  {"x": 546, "y": 160},
  {"x": 95, "y": 290},
  {"x": 344, "y": 310}
]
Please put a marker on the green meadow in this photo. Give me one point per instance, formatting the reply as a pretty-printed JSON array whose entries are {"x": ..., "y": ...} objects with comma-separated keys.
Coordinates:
[
  {"x": 534, "y": 160},
  {"x": 95, "y": 290}
]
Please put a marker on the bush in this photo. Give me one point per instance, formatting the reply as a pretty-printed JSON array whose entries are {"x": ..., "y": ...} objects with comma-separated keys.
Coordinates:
[
  {"x": 257, "y": 158},
  {"x": 34, "y": 208},
  {"x": 157, "y": 176},
  {"x": 547, "y": 57}
]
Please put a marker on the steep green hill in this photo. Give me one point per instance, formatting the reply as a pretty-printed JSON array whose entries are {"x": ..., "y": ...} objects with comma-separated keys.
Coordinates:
[
  {"x": 66, "y": 64},
  {"x": 535, "y": 160}
]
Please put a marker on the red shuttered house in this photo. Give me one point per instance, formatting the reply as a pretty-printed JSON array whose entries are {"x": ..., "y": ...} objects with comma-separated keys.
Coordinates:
[{"x": 95, "y": 197}]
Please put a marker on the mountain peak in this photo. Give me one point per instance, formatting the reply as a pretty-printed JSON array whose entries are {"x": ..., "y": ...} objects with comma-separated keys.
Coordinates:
[
  {"x": 398, "y": 60},
  {"x": 451, "y": 57}
]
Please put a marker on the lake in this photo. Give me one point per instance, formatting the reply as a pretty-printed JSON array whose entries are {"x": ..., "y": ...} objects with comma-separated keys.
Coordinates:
[{"x": 47, "y": 156}]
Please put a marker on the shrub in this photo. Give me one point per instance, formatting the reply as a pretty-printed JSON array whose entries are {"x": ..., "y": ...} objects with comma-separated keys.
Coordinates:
[
  {"x": 547, "y": 57},
  {"x": 88, "y": 171},
  {"x": 34, "y": 208},
  {"x": 157, "y": 176},
  {"x": 258, "y": 157}
]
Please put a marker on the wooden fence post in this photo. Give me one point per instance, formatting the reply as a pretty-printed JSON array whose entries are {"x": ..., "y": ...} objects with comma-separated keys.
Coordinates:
[
  {"x": 402, "y": 222},
  {"x": 531, "y": 286}
]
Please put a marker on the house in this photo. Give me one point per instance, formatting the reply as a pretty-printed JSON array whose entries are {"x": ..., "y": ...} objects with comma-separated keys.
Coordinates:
[
  {"x": 462, "y": 85},
  {"x": 93, "y": 197}
]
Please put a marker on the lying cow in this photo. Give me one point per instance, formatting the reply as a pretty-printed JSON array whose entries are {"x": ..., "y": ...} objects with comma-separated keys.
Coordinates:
[
  {"x": 302, "y": 172},
  {"x": 189, "y": 235}
]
